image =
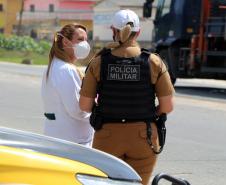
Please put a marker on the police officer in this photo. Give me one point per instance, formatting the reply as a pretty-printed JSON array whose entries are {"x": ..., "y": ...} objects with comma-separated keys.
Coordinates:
[{"x": 125, "y": 81}]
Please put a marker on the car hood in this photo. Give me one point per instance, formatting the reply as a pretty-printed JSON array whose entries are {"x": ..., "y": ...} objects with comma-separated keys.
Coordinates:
[{"x": 110, "y": 165}]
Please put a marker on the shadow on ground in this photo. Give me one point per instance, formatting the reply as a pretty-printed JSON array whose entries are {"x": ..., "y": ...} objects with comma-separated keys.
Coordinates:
[{"x": 207, "y": 92}]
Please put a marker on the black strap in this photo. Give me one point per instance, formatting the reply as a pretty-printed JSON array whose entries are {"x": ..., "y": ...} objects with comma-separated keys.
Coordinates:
[
  {"x": 160, "y": 124},
  {"x": 103, "y": 51},
  {"x": 149, "y": 139},
  {"x": 50, "y": 116},
  {"x": 145, "y": 53}
]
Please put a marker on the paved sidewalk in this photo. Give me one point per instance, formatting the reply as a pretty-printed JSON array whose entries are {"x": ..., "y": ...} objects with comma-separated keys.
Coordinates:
[{"x": 194, "y": 82}]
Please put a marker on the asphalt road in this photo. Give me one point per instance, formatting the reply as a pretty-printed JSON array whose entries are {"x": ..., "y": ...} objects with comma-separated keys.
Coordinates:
[{"x": 195, "y": 147}]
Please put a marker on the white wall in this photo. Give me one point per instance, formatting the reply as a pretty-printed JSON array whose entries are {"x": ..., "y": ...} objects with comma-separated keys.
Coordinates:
[
  {"x": 103, "y": 14},
  {"x": 101, "y": 25}
]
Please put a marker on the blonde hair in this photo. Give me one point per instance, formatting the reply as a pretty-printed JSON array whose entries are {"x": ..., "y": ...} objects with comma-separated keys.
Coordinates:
[
  {"x": 122, "y": 36},
  {"x": 57, "y": 47}
]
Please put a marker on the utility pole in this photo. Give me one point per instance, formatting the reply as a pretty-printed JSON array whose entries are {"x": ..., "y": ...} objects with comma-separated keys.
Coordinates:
[{"x": 20, "y": 18}]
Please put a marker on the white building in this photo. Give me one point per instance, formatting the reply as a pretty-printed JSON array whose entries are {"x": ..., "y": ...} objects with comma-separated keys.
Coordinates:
[{"x": 103, "y": 14}]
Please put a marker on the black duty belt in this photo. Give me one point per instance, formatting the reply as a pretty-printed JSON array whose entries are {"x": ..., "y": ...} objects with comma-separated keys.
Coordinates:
[
  {"x": 50, "y": 116},
  {"x": 123, "y": 120}
]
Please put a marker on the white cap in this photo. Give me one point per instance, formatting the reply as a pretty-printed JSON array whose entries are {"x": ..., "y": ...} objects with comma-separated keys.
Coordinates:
[{"x": 122, "y": 17}]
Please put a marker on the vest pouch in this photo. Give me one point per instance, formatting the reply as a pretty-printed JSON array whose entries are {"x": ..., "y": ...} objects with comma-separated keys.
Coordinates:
[{"x": 95, "y": 118}]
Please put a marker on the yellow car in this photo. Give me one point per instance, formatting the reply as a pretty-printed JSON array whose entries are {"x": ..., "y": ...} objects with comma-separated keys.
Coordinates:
[{"x": 31, "y": 159}]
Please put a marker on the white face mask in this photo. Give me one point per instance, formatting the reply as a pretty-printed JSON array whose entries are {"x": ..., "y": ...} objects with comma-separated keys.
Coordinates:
[{"x": 81, "y": 49}]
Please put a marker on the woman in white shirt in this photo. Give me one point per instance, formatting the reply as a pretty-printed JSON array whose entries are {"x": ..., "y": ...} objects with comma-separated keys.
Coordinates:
[{"x": 61, "y": 85}]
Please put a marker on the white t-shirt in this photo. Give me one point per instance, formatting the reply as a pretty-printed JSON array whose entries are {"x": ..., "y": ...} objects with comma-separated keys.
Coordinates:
[{"x": 60, "y": 94}]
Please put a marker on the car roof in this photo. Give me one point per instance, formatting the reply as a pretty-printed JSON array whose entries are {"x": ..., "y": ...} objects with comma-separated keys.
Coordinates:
[{"x": 112, "y": 166}]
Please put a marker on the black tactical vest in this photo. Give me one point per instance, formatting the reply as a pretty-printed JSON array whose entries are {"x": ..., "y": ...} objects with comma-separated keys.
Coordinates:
[{"x": 125, "y": 90}]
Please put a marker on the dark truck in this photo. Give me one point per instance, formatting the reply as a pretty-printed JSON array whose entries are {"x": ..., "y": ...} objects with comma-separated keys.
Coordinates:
[{"x": 190, "y": 35}]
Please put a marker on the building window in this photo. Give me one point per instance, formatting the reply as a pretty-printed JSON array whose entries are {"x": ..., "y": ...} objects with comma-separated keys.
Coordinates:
[
  {"x": 1, "y": 7},
  {"x": 32, "y": 8},
  {"x": 51, "y": 7}
]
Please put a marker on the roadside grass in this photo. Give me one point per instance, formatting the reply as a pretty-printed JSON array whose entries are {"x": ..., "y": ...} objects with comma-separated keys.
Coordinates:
[
  {"x": 37, "y": 59},
  {"x": 18, "y": 56}
]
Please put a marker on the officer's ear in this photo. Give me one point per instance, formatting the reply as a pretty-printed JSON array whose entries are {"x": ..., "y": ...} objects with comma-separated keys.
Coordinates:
[
  {"x": 117, "y": 35},
  {"x": 137, "y": 34},
  {"x": 114, "y": 34}
]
